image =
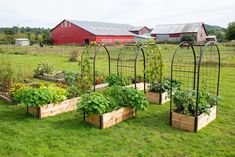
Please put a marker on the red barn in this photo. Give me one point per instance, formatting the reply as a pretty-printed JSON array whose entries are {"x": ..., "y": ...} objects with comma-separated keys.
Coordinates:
[{"x": 70, "y": 32}]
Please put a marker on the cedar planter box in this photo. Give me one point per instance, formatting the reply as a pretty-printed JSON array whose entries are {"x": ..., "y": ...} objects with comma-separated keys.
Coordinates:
[
  {"x": 54, "y": 109},
  {"x": 153, "y": 97},
  {"x": 109, "y": 119},
  {"x": 185, "y": 122}
]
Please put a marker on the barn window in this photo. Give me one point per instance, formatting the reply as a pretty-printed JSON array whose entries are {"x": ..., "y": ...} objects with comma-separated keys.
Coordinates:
[{"x": 65, "y": 24}]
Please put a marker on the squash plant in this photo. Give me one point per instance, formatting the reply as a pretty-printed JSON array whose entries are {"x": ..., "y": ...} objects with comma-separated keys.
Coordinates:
[{"x": 165, "y": 86}]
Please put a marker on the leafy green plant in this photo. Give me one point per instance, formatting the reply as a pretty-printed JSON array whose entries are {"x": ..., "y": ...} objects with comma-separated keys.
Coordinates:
[
  {"x": 70, "y": 77},
  {"x": 185, "y": 102},
  {"x": 94, "y": 103},
  {"x": 43, "y": 68},
  {"x": 113, "y": 98},
  {"x": 39, "y": 96},
  {"x": 119, "y": 80},
  {"x": 165, "y": 87}
]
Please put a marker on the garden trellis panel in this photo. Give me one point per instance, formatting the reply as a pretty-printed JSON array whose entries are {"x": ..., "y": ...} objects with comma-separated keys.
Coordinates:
[
  {"x": 197, "y": 66},
  {"x": 131, "y": 63},
  {"x": 94, "y": 53}
]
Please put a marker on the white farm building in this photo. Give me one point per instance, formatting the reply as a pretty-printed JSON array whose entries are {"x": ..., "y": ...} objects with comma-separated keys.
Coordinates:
[{"x": 22, "y": 42}]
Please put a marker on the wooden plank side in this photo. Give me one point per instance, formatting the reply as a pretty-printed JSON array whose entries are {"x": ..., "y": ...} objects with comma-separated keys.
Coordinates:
[
  {"x": 111, "y": 118},
  {"x": 93, "y": 119},
  {"x": 204, "y": 119},
  {"x": 54, "y": 109},
  {"x": 117, "y": 116},
  {"x": 181, "y": 121},
  {"x": 184, "y": 122},
  {"x": 155, "y": 97}
]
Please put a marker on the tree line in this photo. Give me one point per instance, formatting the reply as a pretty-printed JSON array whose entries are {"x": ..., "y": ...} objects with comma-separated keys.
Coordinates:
[{"x": 35, "y": 35}]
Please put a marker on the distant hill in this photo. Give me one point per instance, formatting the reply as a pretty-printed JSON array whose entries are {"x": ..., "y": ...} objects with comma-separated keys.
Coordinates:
[
  {"x": 218, "y": 31},
  {"x": 213, "y": 28}
]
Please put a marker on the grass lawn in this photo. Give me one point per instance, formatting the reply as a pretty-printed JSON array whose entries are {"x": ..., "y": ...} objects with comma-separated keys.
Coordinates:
[{"x": 149, "y": 134}]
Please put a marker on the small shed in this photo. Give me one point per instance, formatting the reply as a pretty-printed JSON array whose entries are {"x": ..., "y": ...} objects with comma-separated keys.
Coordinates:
[{"x": 22, "y": 42}]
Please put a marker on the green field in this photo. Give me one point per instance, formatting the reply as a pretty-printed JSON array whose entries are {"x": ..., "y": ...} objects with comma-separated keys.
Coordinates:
[{"x": 149, "y": 134}]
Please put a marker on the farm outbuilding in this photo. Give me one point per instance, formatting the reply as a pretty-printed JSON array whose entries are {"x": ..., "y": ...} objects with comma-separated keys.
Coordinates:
[
  {"x": 141, "y": 30},
  {"x": 22, "y": 42},
  {"x": 70, "y": 32},
  {"x": 174, "y": 32}
]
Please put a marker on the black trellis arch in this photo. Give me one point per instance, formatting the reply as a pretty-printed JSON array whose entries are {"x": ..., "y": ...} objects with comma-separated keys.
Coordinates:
[
  {"x": 197, "y": 66},
  {"x": 92, "y": 51},
  {"x": 127, "y": 62}
]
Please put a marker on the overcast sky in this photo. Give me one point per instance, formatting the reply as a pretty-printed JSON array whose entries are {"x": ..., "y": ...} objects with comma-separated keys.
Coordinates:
[{"x": 48, "y": 13}]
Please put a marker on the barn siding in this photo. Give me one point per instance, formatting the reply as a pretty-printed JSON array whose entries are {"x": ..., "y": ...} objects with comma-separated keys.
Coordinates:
[
  {"x": 70, "y": 35},
  {"x": 113, "y": 39},
  {"x": 201, "y": 35}
]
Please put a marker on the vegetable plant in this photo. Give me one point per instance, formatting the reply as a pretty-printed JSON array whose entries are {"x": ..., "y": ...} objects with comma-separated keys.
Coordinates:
[
  {"x": 165, "y": 86},
  {"x": 113, "y": 98},
  {"x": 119, "y": 80},
  {"x": 185, "y": 102},
  {"x": 39, "y": 96}
]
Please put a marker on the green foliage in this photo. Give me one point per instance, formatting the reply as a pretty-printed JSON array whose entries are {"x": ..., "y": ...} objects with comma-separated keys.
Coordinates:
[
  {"x": 94, "y": 103},
  {"x": 114, "y": 98},
  {"x": 39, "y": 96},
  {"x": 154, "y": 62},
  {"x": 186, "y": 37},
  {"x": 43, "y": 68},
  {"x": 185, "y": 102},
  {"x": 8, "y": 75},
  {"x": 165, "y": 87},
  {"x": 70, "y": 77},
  {"x": 119, "y": 80},
  {"x": 230, "y": 32}
]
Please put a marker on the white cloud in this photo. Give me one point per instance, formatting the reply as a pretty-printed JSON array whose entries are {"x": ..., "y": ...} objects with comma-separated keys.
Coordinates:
[{"x": 48, "y": 13}]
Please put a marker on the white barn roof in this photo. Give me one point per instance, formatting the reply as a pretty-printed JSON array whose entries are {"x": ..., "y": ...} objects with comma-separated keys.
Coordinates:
[
  {"x": 177, "y": 28},
  {"x": 102, "y": 28}
]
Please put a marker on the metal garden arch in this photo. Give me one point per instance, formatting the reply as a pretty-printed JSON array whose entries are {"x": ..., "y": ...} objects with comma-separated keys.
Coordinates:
[{"x": 197, "y": 66}]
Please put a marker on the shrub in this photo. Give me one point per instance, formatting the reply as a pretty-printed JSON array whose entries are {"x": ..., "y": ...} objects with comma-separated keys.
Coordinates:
[
  {"x": 43, "y": 68},
  {"x": 119, "y": 80},
  {"x": 186, "y": 37},
  {"x": 70, "y": 77},
  {"x": 185, "y": 102},
  {"x": 8, "y": 75},
  {"x": 115, "y": 98},
  {"x": 39, "y": 96},
  {"x": 73, "y": 56}
]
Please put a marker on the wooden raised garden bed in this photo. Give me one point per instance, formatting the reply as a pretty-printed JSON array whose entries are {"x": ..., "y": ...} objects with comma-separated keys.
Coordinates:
[
  {"x": 153, "y": 97},
  {"x": 109, "y": 119},
  {"x": 185, "y": 122},
  {"x": 6, "y": 98},
  {"x": 54, "y": 109},
  {"x": 50, "y": 79}
]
